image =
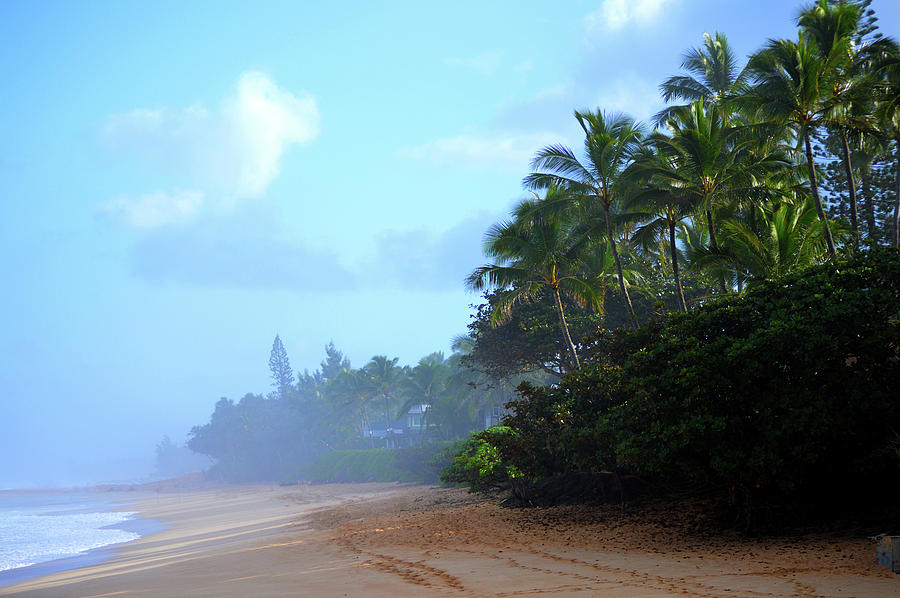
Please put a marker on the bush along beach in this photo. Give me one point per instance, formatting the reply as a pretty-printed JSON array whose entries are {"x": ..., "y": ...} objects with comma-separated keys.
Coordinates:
[{"x": 782, "y": 401}]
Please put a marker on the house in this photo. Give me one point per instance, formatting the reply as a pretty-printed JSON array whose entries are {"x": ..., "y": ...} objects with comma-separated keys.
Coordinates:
[
  {"x": 491, "y": 416},
  {"x": 404, "y": 431}
]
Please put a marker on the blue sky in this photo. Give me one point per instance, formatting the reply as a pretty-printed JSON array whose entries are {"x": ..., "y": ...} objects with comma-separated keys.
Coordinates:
[{"x": 182, "y": 181}]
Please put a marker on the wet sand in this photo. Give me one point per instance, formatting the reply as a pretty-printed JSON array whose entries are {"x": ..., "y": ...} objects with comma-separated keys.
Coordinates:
[{"x": 373, "y": 540}]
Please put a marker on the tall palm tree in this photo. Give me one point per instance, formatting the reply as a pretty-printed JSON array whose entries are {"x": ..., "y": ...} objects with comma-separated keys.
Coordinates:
[
  {"x": 425, "y": 384},
  {"x": 888, "y": 114},
  {"x": 662, "y": 208},
  {"x": 708, "y": 163},
  {"x": 611, "y": 139},
  {"x": 387, "y": 379},
  {"x": 712, "y": 75},
  {"x": 835, "y": 27},
  {"x": 536, "y": 250},
  {"x": 793, "y": 84}
]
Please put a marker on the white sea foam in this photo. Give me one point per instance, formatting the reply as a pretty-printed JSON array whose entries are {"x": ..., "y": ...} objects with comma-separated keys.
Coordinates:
[{"x": 36, "y": 533}]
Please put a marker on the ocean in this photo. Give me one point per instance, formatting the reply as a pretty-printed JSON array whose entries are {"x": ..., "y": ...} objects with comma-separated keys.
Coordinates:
[{"x": 42, "y": 532}]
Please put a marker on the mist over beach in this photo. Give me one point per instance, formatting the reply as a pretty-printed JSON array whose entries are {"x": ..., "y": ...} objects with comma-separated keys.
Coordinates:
[{"x": 598, "y": 298}]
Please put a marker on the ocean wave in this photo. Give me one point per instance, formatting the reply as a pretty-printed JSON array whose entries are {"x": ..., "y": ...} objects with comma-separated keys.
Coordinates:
[{"x": 28, "y": 538}]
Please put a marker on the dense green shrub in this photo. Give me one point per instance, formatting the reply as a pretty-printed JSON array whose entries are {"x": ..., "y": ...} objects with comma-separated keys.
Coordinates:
[
  {"x": 372, "y": 465},
  {"x": 483, "y": 461},
  {"x": 424, "y": 462},
  {"x": 789, "y": 392},
  {"x": 418, "y": 463}
]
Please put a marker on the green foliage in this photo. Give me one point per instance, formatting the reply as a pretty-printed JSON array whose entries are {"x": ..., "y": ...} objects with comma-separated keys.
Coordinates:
[
  {"x": 373, "y": 465},
  {"x": 426, "y": 461},
  {"x": 774, "y": 395},
  {"x": 255, "y": 439},
  {"x": 419, "y": 463},
  {"x": 529, "y": 340},
  {"x": 481, "y": 461},
  {"x": 173, "y": 460},
  {"x": 338, "y": 407}
]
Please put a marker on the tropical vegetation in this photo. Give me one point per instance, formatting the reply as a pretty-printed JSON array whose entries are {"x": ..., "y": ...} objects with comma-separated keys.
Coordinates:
[
  {"x": 742, "y": 208},
  {"x": 709, "y": 300}
]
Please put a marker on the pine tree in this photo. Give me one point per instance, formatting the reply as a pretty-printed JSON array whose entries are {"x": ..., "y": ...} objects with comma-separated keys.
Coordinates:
[{"x": 280, "y": 366}]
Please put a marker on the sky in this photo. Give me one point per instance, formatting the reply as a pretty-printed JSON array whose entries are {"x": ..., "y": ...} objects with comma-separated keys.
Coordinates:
[{"x": 180, "y": 182}]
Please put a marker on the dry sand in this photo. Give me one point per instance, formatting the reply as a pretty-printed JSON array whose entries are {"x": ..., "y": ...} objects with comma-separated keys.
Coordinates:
[{"x": 372, "y": 540}]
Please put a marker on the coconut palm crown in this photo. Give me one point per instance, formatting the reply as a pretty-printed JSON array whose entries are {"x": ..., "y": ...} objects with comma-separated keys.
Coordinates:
[
  {"x": 536, "y": 251},
  {"x": 611, "y": 141},
  {"x": 712, "y": 75}
]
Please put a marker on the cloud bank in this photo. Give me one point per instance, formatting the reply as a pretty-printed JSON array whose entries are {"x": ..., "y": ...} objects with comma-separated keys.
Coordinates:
[
  {"x": 231, "y": 153},
  {"x": 423, "y": 260},
  {"x": 615, "y": 15},
  {"x": 237, "y": 259},
  {"x": 154, "y": 210}
]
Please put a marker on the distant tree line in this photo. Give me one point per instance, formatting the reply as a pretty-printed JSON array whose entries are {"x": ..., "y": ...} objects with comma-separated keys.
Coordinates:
[{"x": 340, "y": 407}]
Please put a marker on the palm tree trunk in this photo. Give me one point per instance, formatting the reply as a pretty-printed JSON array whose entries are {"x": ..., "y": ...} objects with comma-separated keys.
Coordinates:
[
  {"x": 897, "y": 204},
  {"x": 674, "y": 250},
  {"x": 870, "y": 211},
  {"x": 714, "y": 245},
  {"x": 368, "y": 426},
  {"x": 565, "y": 328},
  {"x": 814, "y": 187},
  {"x": 851, "y": 185},
  {"x": 712, "y": 231},
  {"x": 387, "y": 424},
  {"x": 612, "y": 243}
]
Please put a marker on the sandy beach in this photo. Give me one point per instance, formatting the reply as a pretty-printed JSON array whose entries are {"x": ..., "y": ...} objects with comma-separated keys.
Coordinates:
[{"x": 408, "y": 540}]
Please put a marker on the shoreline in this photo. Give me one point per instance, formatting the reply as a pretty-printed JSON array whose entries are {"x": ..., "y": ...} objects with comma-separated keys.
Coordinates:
[
  {"x": 202, "y": 525},
  {"x": 137, "y": 525},
  {"x": 389, "y": 540}
]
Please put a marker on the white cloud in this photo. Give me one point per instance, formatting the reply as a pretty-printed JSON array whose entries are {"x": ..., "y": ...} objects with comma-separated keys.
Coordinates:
[
  {"x": 263, "y": 120},
  {"x": 231, "y": 152},
  {"x": 485, "y": 64},
  {"x": 154, "y": 210},
  {"x": 614, "y": 15},
  {"x": 506, "y": 151}
]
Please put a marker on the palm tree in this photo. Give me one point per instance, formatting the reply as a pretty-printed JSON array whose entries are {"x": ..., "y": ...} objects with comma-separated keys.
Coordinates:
[
  {"x": 536, "y": 250},
  {"x": 358, "y": 388},
  {"x": 770, "y": 242},
  {"x": 707, "y": 163},
  {"x": 712, "y": 76},
  {"x": 793, "y": 84},
  {"x": 611, "y": 139},
  {"x": 888, "y": 114},
  {"x": 663, "y": 208},
  {"x": 387, "y": 379},
  {"x": 425, "y": 384},
  {"x": 835, "y": 27}
]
